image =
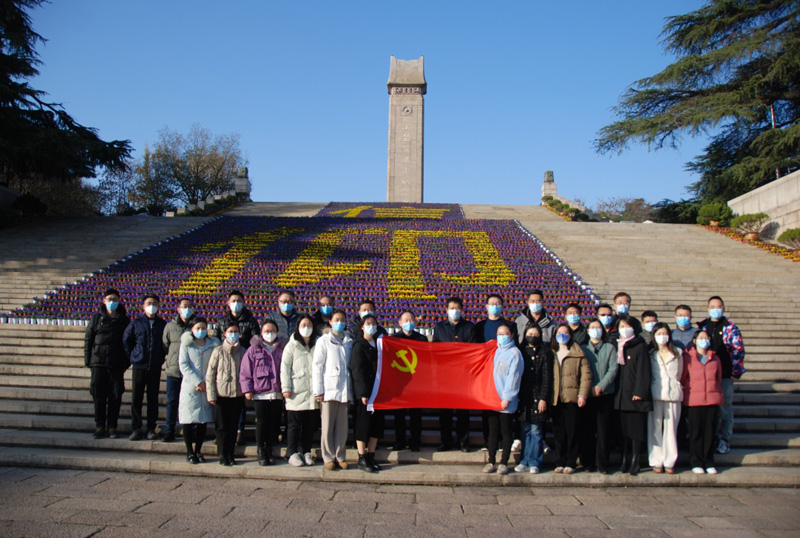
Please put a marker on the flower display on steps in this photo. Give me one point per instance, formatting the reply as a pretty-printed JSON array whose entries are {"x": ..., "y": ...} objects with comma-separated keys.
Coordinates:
[
  {"x": 391, "y": 210},
  {"x": 763, "y": 245},
  {"x": 400, "y": 263}
]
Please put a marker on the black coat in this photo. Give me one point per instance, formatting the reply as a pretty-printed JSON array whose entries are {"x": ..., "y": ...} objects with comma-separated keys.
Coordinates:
[
  {"x": 418, "y": 337},
  {"x": 144, "y": 345},
  {"x": 633, "y": 378},
  {"x": 580, "y": 336},
  {"x": 102, "y": 344},
  {"x": 363, "y": 368},
  {"x": 480, "y": 326},
  {"x": 537, "y": 382},
  {"x": 463, "y": 331},
  {"x": 248, "y": 326}
]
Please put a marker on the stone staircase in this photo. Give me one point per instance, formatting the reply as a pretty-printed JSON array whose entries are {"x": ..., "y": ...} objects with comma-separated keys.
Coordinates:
[{"x": 46, "y": 411}]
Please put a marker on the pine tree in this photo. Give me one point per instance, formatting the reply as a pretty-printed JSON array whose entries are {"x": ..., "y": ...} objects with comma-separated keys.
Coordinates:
[
  {"x": 737, "y": 80},
  {"x": 39, "y": 140}
]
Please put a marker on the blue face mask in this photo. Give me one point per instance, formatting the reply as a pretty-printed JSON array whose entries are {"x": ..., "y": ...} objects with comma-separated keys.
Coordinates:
[
  {"x": 683, "y": 321},
  {"x": 200, "y": 334},
  {"x": 237, "y": 307},
  {"x": 595, "y": 333},
  {"x": 702, "y": 343},
  {"x": 286, "y": 307},
  {"x": 562, "y": 338},
  {"x": 494, "y": 309},
  {"x": 715, "y": 313},
  {"x": 649, "y": 326},
  {"x": 185, "y": 313},
  {"x": 338, "y": 326},
  {"x": 112, "y": 305},
  {"x": 535, "y": 308},
  {"x": 605, "y": 320},
  {"x": 504, "y": 340},
  {"x": 622, "y": 309},
  {"x": 573, "y": 319},
  {"x": 326, "y": 310},
  {"x": 233, "y": 338},
  {"x": 370, "y": 329},
  {"x": 409, "y": 326}
]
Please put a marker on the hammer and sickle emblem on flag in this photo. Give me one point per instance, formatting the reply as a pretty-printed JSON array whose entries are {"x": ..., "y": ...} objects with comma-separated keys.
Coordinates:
[{"x": 407, "y": 366}]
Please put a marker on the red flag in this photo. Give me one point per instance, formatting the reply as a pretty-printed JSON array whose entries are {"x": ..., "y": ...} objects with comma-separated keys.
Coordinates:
[{"x": 441, "y": 375}]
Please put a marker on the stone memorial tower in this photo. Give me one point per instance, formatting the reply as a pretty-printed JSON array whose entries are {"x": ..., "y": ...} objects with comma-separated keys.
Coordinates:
[{"x": 406, "y": 87}]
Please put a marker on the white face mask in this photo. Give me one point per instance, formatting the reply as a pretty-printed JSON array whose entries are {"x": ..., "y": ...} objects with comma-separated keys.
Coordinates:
[
  {"x": 662, "y": 339},
  {"x": 370, "y": 329},
  {"x": 626, "y": 332},
  {"x": 269, "y": 337},
  {"x": 151, "y": 309},
  {"x": 306, "y": 331}
]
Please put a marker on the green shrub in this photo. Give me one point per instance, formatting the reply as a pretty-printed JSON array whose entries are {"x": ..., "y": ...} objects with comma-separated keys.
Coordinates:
[
  {"x": 718, "y": 211},
  {"x": 546, "y": 198},
  {"x": 552, "y": 202},
  {"x": 790, "y": 237},
  {"x": 750, "y": 223},
  {"x": 580, "y": 216},
  {"x": 572, "y": 211}
]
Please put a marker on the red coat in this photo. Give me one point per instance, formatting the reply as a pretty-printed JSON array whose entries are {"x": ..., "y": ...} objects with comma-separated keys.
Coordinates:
[{"x": 702, "y": 383}]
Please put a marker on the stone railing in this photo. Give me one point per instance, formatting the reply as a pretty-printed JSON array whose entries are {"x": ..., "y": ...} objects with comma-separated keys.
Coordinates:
[{"x": 779, "y": 199}]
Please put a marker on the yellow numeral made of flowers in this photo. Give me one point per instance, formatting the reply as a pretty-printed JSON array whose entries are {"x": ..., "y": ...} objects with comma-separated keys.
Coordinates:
[
  {"x": 405, "y": 212},
  {"x": 310, "y": 267},
  {"x": 208, "y": 279},
  {"x": 405, "y": 276}
]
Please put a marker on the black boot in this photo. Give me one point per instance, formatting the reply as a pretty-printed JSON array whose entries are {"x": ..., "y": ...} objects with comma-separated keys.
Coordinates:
[
  {"x": 637, "y": 448},
  {"x": 268, "y": 455},
  {"x": 262, "y": 458},
  {"x": 371, "y": 461},
  {"x": 626, "y": 462},
  {"x": 363, "y": 464}
]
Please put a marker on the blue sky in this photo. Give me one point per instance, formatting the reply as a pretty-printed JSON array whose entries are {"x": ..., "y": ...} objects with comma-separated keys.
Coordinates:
[{"x": 514, "y": 89}]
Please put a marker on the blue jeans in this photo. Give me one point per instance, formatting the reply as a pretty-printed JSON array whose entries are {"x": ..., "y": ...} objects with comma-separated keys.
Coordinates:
[
  {"x": 725, "y": 415},
  {"x": 173, "y": 392},
  {"x": 533, "y": 440}
]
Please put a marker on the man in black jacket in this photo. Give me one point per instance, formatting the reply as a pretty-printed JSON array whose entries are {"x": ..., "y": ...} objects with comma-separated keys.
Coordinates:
[
  {"x": 103, "y": 353},
  {"x": 238, "y": 314},
  {"x": 408, "y": 325},
  {"x": 454, "y": 329},
  {"x": 322, "y": 317},
  {"x": 143, "y": 342}
]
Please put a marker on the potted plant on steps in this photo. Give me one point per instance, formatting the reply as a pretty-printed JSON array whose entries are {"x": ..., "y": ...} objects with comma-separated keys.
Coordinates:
[
  {"x": 750, "y": 225},
  {"x": 714, "y": 214},
  {"x": 791, "y": 238}
]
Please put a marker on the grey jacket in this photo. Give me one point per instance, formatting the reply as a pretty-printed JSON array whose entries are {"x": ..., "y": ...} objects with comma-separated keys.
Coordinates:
[
  {"x": 172, "y": 343},
  {"x": 525, "y": 321},
  {"x": 603, "y": 361}
]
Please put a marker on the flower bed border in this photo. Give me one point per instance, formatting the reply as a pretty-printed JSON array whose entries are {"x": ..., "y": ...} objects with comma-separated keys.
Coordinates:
[{"x": 763, "y": 245}]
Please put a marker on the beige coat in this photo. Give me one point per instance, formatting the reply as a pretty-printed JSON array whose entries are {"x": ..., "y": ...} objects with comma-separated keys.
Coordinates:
[
  {"x": 222, "y": 376},
  {"x": 572, "y": 377}
]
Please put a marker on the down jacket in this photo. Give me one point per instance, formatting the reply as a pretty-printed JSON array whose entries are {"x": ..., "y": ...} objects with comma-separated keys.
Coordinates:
[
  {"x": 330, "y": 368},
  {"x": 702, "y": 383},
  {"x": 193, "y": 406},
  {"x": 296, "y": 376},
  {"x": 603, "y": 361},
  {"x": 261, "y": 368},
  {"x": 172, "y": 343},
  {"x": 103, "y": 340},
  {"x": 572, "y": 377},
  {"x": 222, "y": 377},
  {"x": 144, "y": 345},
  {"x": 665, "y": 380},
  {"x": 537, "y": 382}
]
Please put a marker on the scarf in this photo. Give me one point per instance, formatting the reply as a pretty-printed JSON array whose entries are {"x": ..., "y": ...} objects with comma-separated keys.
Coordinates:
[{"x": 621, "y": 349}]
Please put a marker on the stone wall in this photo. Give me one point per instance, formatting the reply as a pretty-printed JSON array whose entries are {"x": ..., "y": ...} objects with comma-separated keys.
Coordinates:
[{"x": 779, "y": 199}]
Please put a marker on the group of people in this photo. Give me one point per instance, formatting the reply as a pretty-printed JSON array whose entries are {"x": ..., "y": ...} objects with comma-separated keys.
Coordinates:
[{"x": 614, "y": 381}]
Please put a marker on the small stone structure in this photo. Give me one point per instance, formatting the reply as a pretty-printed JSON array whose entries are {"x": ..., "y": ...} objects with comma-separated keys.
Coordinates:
[
  {"x": 549, "y": 189},
  {"x": 242, "y": 185},
  {"x": 406, "y": 87},
  {"x": 780, "y": 199}
]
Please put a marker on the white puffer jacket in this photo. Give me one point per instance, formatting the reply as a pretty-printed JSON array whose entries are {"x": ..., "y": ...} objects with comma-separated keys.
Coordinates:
[
  {"x": 296, "y": 376},
  {"x": 665, "y": 383},
  {"x": 330, "y": 369}
]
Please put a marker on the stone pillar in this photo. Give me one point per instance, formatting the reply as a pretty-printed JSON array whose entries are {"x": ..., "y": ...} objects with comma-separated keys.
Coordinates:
[
  {"x": 406, "y": 87},
  {"x": 549, "y": 185}
]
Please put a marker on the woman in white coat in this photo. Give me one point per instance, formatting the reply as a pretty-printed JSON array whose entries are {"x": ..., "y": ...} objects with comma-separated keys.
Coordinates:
[
  {"x": 194, "y": 411},
  {"x": 302, "y": 409},
  {"x": 332, "y": 388},
  {"x": 666, "y": 366}
]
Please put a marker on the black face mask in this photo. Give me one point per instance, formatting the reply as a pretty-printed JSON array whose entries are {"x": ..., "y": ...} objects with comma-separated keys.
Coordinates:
[{"x": 535, "y": 341}]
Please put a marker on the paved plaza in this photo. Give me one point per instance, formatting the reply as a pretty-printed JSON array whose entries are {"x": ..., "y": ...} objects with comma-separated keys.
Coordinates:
[{"x": 56, "y": 503}]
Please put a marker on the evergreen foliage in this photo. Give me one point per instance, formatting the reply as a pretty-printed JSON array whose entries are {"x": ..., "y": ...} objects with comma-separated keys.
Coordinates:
[{"x": 738, "y": 67}]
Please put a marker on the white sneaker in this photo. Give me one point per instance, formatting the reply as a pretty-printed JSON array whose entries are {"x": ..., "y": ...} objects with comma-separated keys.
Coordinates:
[
  {"x": 546, "y": 448},
  {"x": 502, "y": 469},
  {"x": 308, "y": 459},
  {"x": 698, "y": 470},
  {"x": 296, "y": 460},
  {"x": 723, "y": 448},
  {"x": 520, "y": 468},
  {"x": 534, "y": 470},
  {"x": 711, "y": 470},
  {"x": 516, "y": 446},
  {"x": 489, "y": 468}
]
